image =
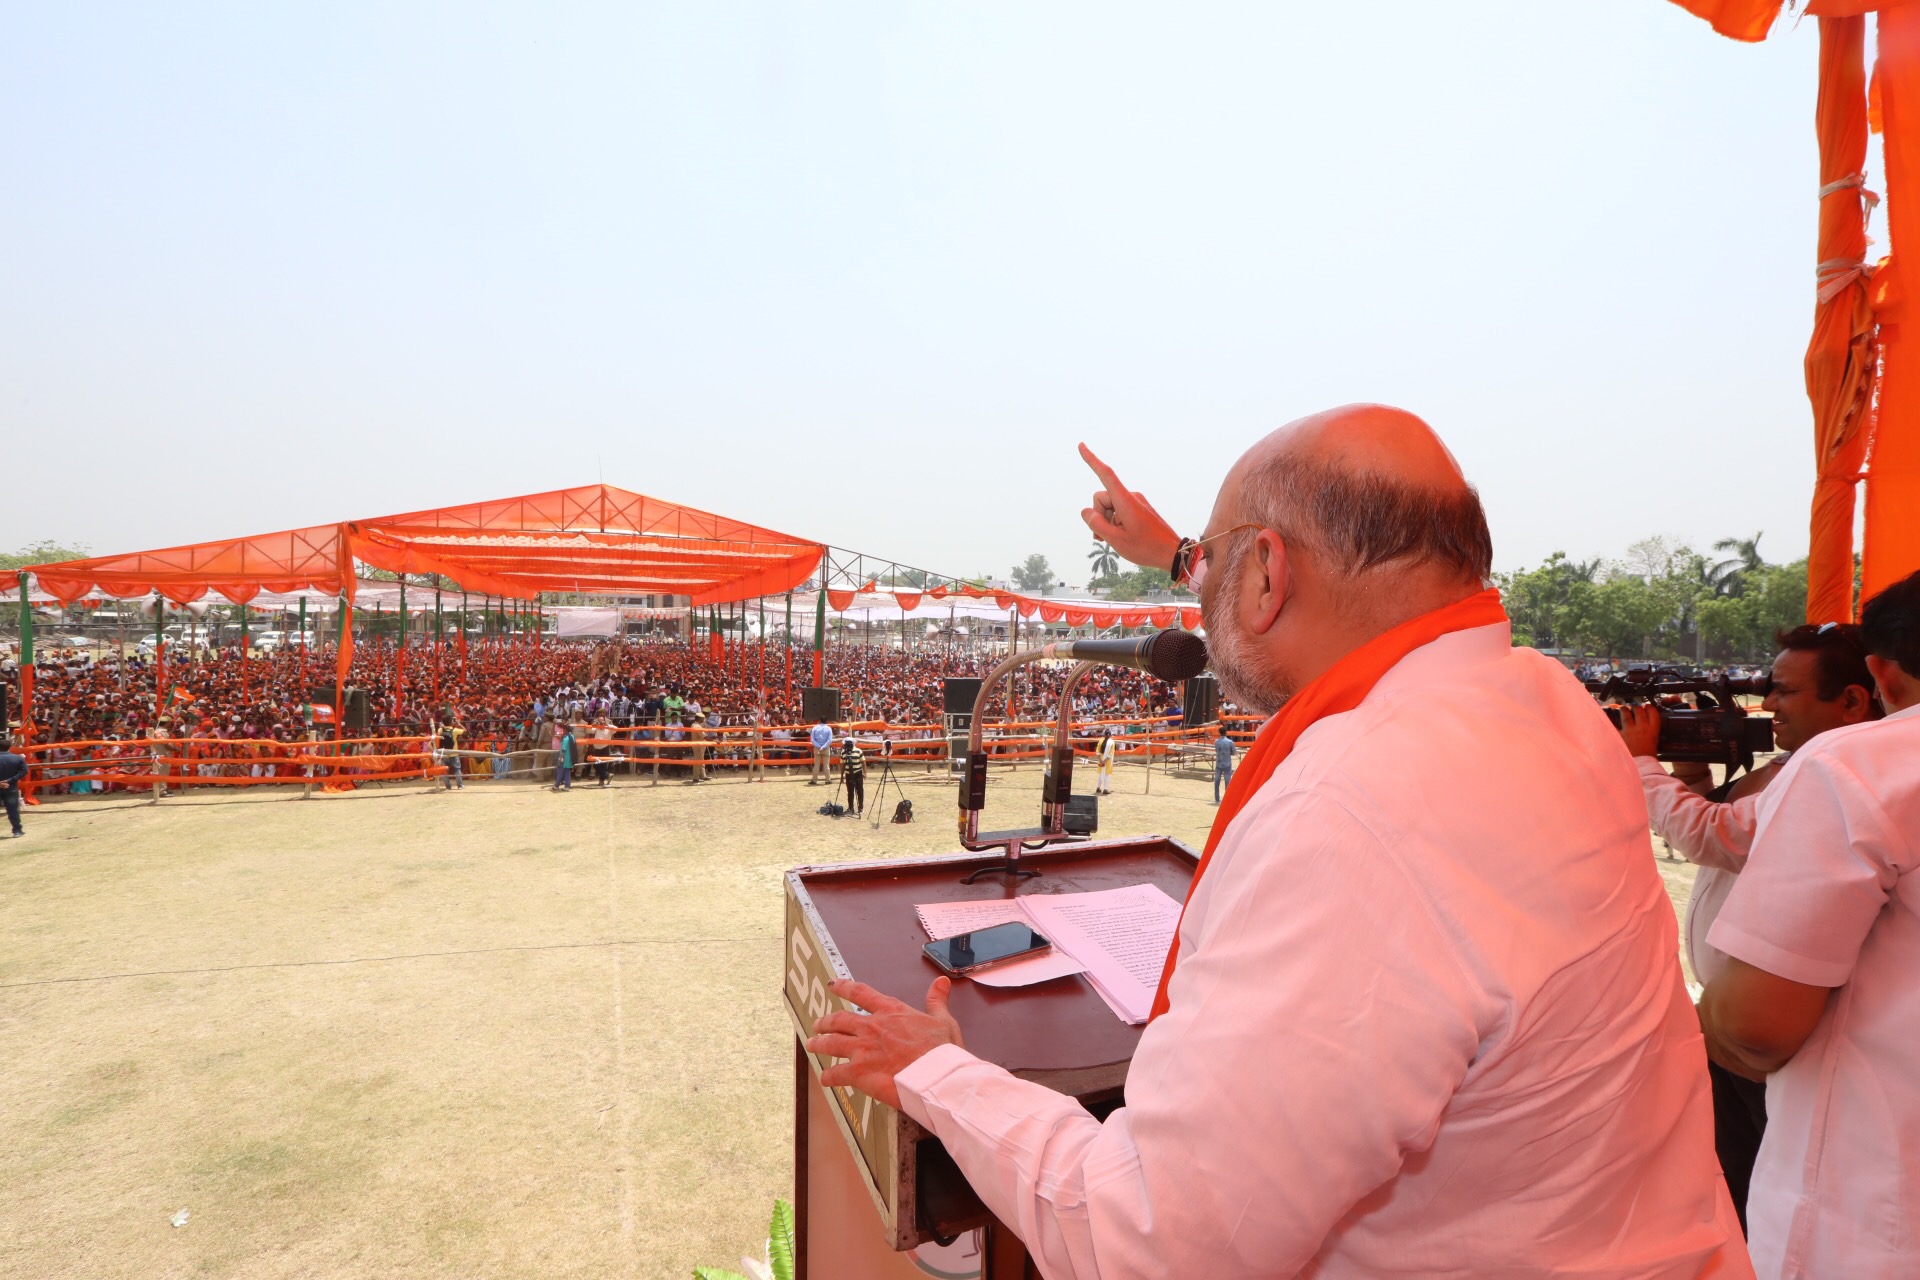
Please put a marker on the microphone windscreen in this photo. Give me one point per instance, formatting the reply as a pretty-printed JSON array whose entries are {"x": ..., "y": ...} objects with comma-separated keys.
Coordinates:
[{"x": 1176, "y": 655}]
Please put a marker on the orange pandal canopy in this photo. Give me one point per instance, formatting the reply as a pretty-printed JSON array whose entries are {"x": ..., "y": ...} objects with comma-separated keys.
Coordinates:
[
  {"x": 592, "y": 539},
  {"x": 237, "y": 568},
  {"x": 1862, "y": 371},
  {"x": 522, "y": 563}
]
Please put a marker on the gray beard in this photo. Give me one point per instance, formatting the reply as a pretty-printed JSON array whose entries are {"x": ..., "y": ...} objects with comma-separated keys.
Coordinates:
[{"x": 1244, "y": 680}]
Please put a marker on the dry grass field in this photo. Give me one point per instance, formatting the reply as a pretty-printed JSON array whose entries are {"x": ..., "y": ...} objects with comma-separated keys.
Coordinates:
[{"x": 493, "y": 1033}]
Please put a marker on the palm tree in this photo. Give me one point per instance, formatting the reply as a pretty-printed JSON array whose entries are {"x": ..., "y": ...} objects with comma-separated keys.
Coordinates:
[
  {"x": 1105, "y": 562},
  {"x": 1729, "y": 577}
]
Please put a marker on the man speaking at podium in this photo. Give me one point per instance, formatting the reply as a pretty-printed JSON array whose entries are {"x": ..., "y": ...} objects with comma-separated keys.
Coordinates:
[{"x": 1424, "y": 1015}]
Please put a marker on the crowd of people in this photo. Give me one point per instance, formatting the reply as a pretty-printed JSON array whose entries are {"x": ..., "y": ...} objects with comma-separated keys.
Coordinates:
[{"x": 509, "y": 694}]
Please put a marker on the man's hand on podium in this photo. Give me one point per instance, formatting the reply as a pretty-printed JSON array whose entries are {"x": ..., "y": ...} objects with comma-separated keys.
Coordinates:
[{"x": 884, "y": 1041}]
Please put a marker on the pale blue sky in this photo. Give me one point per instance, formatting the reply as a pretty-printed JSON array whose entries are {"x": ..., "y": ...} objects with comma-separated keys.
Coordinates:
[{"x": 866, "y": 271}]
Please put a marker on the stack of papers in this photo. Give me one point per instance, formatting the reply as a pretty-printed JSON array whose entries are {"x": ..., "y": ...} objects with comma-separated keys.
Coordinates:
[{"x": 1118, "y": 938}]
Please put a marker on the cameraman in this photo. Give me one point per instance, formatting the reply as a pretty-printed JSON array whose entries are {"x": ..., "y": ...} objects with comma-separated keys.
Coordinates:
[{"x": 1820, "y": 682}]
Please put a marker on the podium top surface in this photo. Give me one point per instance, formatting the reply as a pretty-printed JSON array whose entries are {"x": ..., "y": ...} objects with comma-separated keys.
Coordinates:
[{"x": 1062, "y": 1026}]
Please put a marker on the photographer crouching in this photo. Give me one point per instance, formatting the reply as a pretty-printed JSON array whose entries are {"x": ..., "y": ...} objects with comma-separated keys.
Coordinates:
[{"x": 1820, "y": 682}]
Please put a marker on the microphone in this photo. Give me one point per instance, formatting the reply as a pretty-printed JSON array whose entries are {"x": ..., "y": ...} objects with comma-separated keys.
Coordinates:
[{"x": 1169, "y": 655}]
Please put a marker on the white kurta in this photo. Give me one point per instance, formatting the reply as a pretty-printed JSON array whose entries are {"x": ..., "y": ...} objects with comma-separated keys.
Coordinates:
[
  {"x": 1829, "y": 898},
  {"x": 1428, "y": 1021}
]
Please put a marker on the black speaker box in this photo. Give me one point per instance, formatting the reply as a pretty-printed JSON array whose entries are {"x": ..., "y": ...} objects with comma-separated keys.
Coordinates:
[
  {"x": 1083, "y": 815},
  {"x": 359, "y": 710},
  {"x": 958, "y": 694},
  {"x": 1201, "y": 703},
  {"x": 819, "y": 704}
]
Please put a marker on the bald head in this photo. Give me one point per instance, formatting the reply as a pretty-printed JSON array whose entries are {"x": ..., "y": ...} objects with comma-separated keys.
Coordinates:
[
  {"x": 1360, "y": 521},
  {"x": 1374, "y": 438},
  {"x": 1363, "y": 487}
]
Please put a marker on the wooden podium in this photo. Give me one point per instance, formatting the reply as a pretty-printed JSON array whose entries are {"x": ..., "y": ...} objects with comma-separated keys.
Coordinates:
[{"x": 884, "y": 1199}]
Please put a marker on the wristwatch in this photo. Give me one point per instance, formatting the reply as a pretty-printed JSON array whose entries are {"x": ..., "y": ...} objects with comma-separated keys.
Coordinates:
[{"x": 1182, "y": 561}]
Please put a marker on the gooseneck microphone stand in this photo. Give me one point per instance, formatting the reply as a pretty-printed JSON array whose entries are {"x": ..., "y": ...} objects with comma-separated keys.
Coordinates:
[
  {"x": 1167, "y": 655},
  {"x": 1059, "y": 784},
  {"x": 973, "y": 791}
]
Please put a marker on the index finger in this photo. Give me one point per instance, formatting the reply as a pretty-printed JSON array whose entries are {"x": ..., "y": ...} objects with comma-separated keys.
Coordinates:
[
  {"x": 1101, "y": 469},
  {"x": 864, "y": 996}
]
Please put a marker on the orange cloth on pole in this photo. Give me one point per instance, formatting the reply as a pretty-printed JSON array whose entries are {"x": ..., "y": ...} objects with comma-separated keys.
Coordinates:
[
  {"x": 1891, "y": 546},
  {"x": 343, "y": 664},
  {"x": 1342, "y": 687},
  {"x": 1840, "y": 355},
  {"x": 1752, "y": 19},
  {"x": 1739, "y": 19}
]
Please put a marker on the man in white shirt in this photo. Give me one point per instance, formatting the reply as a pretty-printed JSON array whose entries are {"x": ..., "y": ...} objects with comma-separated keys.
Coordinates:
[
  {"x": 1819, "y": 682},
  {"x": 1427, "y": 1017},
  {"x": 1818, "y": 993}
]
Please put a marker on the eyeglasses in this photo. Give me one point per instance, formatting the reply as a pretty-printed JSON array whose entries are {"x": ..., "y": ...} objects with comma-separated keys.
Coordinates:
[{"x": 1197, "y": 556}]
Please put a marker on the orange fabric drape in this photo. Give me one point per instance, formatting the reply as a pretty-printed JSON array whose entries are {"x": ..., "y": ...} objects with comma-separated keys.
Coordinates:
[
  {"x": 343, "y": 664},
  {"x": 1340, "y": 688},
  {"x": 839, "y": 600},
  {"x": 1891, "y": 547},
  {"x": 1840, "y": 355},
  {"x": 1739, "y": 19}
]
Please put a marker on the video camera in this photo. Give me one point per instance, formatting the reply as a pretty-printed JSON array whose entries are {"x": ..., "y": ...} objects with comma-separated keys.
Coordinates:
[{"x": 1714, "y": 729}]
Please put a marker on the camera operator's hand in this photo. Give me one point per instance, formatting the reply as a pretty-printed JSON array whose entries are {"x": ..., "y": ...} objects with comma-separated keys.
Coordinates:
[
  {"x": 1640, "y": 729},
  {"x": 1697, "y": 776},
  {"x": 1126, "y": 521}
]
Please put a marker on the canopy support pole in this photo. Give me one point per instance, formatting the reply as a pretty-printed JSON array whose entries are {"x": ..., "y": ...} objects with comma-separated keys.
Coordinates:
[
  {"x": 343, "y": 663},
  {"x": 820, "y": 630},
  {"x": 26, "y": 666},
  {"x": 159, "y": 656},
  {"x": 400, "y": 657}
]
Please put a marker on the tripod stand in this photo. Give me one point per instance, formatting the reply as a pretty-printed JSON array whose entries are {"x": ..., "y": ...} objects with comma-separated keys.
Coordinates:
[{"x": 880, "y": 791}]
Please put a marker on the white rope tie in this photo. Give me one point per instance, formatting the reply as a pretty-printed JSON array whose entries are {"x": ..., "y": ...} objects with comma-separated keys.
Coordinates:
[{"x": 1835, "y": 275}]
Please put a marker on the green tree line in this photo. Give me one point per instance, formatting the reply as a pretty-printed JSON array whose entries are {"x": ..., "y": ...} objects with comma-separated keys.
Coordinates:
[{"x": 1664, "y": 600}]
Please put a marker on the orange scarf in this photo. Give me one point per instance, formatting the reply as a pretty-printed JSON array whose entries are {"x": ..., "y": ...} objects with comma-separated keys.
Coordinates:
[{"x": 1341, "y": 687}]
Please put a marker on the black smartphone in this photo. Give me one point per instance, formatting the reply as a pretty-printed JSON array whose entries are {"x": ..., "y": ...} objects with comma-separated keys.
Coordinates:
[{"x": 965, "y": 952}]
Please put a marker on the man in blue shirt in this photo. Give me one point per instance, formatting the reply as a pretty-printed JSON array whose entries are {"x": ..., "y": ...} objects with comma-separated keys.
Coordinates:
[
  {"x": 13, "y": 767},
  {"x": 563, "y": 760},
  {"x": 821, "y": 736},
  {"x": 1222, "y": 763}
]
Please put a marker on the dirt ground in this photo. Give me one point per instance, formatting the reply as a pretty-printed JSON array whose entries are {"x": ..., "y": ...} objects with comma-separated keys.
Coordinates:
[{"x": 493, "y": 1033}]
